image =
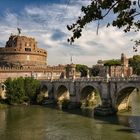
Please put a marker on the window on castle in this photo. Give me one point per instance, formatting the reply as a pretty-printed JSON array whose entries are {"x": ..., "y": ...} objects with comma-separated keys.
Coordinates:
[{"x": 28, "y": 49}]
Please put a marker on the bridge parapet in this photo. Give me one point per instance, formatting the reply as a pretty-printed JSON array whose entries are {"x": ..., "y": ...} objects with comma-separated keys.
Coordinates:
[
  {"x": 75, "y": 80},
  {"x": 62, "y": 80},
  {"x": 91, "y": 79},
  {"x": 102, "y": 79},
  {"x": 125, "y": 79}
]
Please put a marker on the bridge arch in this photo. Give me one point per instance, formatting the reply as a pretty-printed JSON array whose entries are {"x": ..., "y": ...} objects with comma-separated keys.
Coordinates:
[
  {"x": 44, "y": 90},
  {"x": 123, "y": 96},
  {"x": 62, "y": 93},
  {"x": 89, "y": 96}
]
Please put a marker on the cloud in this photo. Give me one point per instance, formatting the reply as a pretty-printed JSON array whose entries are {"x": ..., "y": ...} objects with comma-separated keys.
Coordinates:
[
  {"x": 58, "y": 35},
  {"x": 47, "y": 23}
]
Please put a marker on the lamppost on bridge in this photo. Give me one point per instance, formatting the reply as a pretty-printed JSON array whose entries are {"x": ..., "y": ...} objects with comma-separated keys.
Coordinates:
[{"x": 107, "y": 74}]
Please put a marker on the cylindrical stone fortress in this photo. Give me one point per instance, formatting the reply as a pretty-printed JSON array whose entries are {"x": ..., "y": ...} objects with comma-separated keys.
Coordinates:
[{"x": 22, "y": 51}]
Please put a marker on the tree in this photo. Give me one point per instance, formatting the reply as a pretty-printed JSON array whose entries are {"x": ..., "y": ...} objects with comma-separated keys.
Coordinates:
[
  {"x": 15, "y": 90},
  {"x": 95, "y": 70},
  {"x": 21, "y": 90},
  {"x": 31, "y": 87},
  {"x": 113, "y": 63},
  {"x": 83, "y": 69},
  {"x": 135, "y": 63},
  {"x": 125, "y": 12}
]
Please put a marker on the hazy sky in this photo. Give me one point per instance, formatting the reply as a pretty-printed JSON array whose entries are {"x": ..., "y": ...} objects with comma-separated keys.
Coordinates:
[{"x": 46, "y": 21}]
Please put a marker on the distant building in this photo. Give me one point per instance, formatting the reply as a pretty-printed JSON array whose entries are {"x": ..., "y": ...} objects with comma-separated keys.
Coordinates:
[
  {"x": 117, "y": 71},
  {"x": 100, "y": 62},
  {"x": 71, "y": 71}
]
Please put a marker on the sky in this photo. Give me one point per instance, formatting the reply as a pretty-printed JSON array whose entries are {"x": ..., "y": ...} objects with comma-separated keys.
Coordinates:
[{"x": 46, "y": 21}]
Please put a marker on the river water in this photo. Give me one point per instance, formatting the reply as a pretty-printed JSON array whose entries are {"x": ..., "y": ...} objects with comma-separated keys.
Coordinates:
[{"x": 42, "y": 123}]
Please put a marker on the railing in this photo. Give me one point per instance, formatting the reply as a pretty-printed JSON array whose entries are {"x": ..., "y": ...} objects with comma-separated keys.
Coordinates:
[
  {"x": 55, "y": 80},
  {"x": 98, "y": 79},
  {"x": 125, "y": 79},
  {"x": 93, "y": 79}
]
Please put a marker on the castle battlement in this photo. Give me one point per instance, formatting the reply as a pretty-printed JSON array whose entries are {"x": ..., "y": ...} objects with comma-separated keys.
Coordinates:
[{"x": 33, "y": 69}]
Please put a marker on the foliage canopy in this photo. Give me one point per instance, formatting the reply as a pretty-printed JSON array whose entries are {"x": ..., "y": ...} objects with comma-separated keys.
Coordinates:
[
  {"x": 95, "y": 70},
  {"x": 113, "y": 63},
  {"x": 125, "y": 13},
  {"x": 21, "y": 90},
  {"x": 135, "y": 63},
  {"x": 83, "y": 69}
]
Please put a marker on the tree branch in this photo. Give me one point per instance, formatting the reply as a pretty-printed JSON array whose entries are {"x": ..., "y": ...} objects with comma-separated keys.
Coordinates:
[
  {"x": 136, "y": 14},
  {"x": 110, "y": 9}
]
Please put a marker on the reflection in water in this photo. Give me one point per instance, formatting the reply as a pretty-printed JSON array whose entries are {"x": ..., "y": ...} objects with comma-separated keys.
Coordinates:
[
  {"x": 2, "y": 121},
  {"x": 42, "y": 123}
]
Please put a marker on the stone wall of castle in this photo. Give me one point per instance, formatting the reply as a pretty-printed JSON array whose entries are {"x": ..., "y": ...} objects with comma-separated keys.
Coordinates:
[
  {"x": 23, "y": 59},
  {"x": 39, "y": 73}
]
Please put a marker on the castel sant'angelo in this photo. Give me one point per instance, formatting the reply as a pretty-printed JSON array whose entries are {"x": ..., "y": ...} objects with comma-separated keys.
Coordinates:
[
  {"x": 22, "y": 51},
  {"x": 22, "y": 57}
]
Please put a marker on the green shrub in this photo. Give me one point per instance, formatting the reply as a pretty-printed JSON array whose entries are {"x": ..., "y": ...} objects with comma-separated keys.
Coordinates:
[{"x": 21, "y": 90}]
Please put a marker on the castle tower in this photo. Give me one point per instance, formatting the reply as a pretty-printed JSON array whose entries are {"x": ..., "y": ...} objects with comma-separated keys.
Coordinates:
[{"x": 22, "y": 51}]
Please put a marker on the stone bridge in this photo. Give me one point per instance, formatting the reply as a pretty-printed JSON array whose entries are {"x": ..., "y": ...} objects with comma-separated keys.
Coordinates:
[{"x": 114, "y": 92}]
